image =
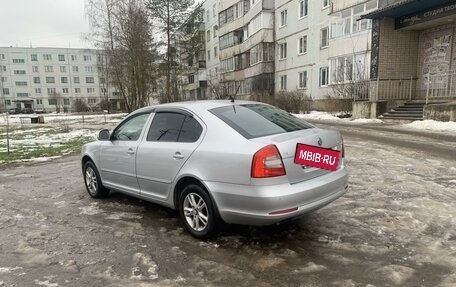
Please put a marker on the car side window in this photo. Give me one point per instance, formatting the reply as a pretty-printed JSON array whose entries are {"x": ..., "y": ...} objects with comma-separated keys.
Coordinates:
[
  {"x": 165, "y": 127},
  {"x": 174, "y": 127},
  {"x": 191, "y": 130},
  {"x": 131, "y": 129}
]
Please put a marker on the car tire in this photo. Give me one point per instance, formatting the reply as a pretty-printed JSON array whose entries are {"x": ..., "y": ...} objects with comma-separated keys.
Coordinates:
[
  {"x": 92, "y": 181},
  {"x": 197, "y": 212}
]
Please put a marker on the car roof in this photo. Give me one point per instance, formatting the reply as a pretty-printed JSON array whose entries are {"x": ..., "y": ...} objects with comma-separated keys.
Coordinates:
[{"x": 197, "y": 105}]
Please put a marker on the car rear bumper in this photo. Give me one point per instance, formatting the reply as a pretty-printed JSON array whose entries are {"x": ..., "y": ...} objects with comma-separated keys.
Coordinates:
[{"x": 253, "y": 205}]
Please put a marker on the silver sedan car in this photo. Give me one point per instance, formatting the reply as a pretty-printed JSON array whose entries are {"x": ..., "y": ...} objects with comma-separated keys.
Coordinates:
[{"x": 218, "y": 161}]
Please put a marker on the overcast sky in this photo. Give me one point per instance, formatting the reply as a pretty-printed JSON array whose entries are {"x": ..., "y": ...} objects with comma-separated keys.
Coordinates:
[{"x": 43, "y": 23}]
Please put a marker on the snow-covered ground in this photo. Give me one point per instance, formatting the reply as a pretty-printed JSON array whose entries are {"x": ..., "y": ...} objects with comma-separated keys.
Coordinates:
[
  {"x": 425, "y": 125},
  {"x": 66, "y": 118}
]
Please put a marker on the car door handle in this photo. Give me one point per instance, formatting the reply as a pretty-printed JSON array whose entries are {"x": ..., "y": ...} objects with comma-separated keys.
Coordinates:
[
  {"x": 178, "y": 155},
  {"x": 130, "y": 151}
]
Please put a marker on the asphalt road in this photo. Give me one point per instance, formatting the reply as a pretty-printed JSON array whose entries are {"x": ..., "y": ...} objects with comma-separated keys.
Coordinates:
[{"x": 395, "y": 227}]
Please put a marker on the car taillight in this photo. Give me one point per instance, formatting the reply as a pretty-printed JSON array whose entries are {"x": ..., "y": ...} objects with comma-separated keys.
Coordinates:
[{"x": 267, "y": 162}]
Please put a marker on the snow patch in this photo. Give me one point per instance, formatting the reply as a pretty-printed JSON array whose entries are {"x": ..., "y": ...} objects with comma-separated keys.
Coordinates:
[
  {"x": 145, "y": 267},
  {"x": 314, "y": 115},
  {"x": 432, "y": 125},
  {"x": 9, "y": 269},
  {"x": 46, "y": 283},
  {"x": 310, "y": 268},
  {"x": 92, "y": 209},
  {"x": 123, "y": 215}
]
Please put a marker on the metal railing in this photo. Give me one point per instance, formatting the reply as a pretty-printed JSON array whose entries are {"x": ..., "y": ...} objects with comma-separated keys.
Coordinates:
[
  {"x": 440, "y": 85},
  {"x": 394, "y": 89}
]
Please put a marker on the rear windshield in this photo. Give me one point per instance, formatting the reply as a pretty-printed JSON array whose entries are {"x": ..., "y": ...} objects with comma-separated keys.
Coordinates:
[{"x": 257, "y": 120}]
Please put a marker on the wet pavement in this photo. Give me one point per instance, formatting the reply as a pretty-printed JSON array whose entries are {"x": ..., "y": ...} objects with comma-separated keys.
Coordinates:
[{"x": 395, "y": 227}]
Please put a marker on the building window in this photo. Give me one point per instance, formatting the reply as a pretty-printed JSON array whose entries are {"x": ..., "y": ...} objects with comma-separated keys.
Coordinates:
[
  {"x": 8, "y": 102},
  {"x": 282, "y": 51},
  {"x": 77, "y": 90},
  {"x": 325, "y": 4},
  {"x": 74, "y": 58},
  {"x": 215, "y": 52},
  {"x": 4, "y": 79},
  {"x": 302, "y": 45},
  {"x": 90, "y": 90},
  {"x": 88, "y": 69},
  {"x": 36, "y": 80},
  {"x": 50, "y": 80},
  {"x": 62, "y": 69},
  {"x": 324, "y": 38},
  {"x": 21, "y": 84},
  {"x": 64, "y": 80},
  {"x": 324, "y": 77},
  {"x": 65, "y": 90},
  {"x": 90, "y": 80},
  {"x": 61, "y": 58},
  {"x": 52, "y": 102},
  {"x": 76, "y": 80},
  {"x": 66, "y": 102},
  {"x": 87, "y": 58},
  {"x": 47, "y": 57},
  {"x": 283, "y": 82},
  {"x": 214, "y": 13},
  {"x": 207, "y": 15},
  {"x": 208, "y": 55},
  {"x": 19, "y": 72},
  {"x": 34, "y": 57},
  {"x": 51, "y": 91},
  {"x": 208, "y": 35},
  {"x": 75, "y": 69},
  {"x": 35, "y": 69},
  {"x": 283, "y": 18},
  {"x": 22, "y": 94},
  {"x": 2, "y": 56},
  {"x": 49, "y": 69},
  {"x": 302, "y": 80},
  {"x": 38, "y": 91},
  {"x": 303, "y": 8},
  {"x": 215, "y": 29},
  {"x": 92, "y": 101},
  {"x": 6, "y": 91},
  {"x": 18, "y": 61},
  {"x": 2, "y": 68},
  {"x": 39, "y": 102}
]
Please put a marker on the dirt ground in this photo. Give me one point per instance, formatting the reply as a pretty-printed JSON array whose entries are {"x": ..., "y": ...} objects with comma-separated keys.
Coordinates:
[{"x": 395, "y": 227}]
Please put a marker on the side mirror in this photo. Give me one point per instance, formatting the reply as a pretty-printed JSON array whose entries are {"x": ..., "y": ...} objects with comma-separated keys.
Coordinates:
[{"x": 104, "y": 135}]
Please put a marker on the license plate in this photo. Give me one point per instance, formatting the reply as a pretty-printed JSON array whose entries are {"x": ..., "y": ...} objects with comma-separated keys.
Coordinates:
[{"x": 317, "y": 157}]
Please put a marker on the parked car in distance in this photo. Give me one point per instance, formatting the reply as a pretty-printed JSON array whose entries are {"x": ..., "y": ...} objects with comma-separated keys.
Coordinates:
[
  {"x": 14, "y": 111},
  {"x": 40, "y": 111},
  {"x": 217, "y": 161},
  {"x": 27, "y": 111}
]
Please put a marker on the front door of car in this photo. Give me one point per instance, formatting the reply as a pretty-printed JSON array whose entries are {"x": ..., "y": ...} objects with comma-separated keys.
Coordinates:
[
  {"x": 118, "y": 156},
  {"x": 172, "y": 138}
]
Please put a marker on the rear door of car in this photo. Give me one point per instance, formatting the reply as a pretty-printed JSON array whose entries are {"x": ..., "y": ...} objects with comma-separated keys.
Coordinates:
[{"x": 173, "y": 136}]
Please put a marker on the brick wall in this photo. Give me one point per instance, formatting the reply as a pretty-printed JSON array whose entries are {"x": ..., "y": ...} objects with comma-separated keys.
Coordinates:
[{"x": 398, "y": 51}]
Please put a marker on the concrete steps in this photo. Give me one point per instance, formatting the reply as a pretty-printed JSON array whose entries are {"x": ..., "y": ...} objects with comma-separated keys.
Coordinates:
[{"x": 410, "y": 111}]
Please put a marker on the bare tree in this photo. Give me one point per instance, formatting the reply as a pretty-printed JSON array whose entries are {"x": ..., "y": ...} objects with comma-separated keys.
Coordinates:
[
  {"x": 122, "y": 28},
  {"x": 169, "y": 15}
]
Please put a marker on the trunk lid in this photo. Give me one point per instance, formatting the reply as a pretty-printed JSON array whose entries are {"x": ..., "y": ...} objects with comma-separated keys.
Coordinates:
[{"x": 286, "y": 144}]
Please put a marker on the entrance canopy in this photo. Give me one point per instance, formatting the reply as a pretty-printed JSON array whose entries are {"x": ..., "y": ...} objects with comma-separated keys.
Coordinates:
[{"x": 416, "y": 14}]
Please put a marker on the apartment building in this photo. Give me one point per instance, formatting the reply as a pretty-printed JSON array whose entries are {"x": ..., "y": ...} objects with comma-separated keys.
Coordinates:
[
  {"x": 246, "y": 44},
  {"x": 52, "y": 78},
  {"x": 302, "y": 46},
  {"x": 211, "y": 25}
]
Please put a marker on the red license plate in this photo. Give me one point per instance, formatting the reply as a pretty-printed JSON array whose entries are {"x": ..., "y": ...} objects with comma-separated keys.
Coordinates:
[{"x": 317, "y": 157}]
